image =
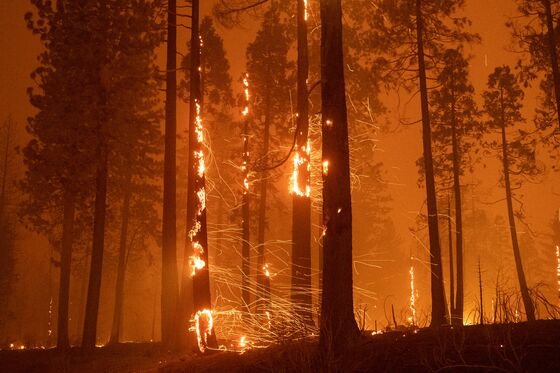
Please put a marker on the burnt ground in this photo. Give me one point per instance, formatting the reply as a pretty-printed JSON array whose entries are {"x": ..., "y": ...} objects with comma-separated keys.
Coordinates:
[{"x": 519, "y": 347}]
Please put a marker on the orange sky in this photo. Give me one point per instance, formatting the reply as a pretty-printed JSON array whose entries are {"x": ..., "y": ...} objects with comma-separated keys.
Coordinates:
[{"x": 398, "y": 151}]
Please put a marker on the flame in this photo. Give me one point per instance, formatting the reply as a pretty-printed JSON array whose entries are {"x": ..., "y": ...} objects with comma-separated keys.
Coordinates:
[
  {"x": 300, "y": 160},
  {"x": 266, "y": 270},
  {"x": 306, "y": 14},
  {"x": 204, "y": 323},
  {"x": 197, "y": 263},
  {"x": 325, "y": 168}
]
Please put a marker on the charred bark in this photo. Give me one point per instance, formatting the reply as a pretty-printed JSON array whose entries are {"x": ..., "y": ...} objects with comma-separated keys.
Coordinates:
[
  {"x": 338, "y": 328},
  {"x": 197, "y": 236}
]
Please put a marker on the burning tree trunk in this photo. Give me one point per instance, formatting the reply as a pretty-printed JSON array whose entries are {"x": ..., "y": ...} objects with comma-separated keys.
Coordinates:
[
  {"x": 169, "y": 285},
  {"x": 65, "y": 267},
  {"x": 527, "y": 302},
  {"x": 457, "y": 305},
  {"x": 437, "y": 290},
  {"x": 338, "y": 326},
  {"x": 197, "y": 243},
  {"x": 301, "y": 213},
  {"x": 552, "y": 50},
  {"x": 246, "y": 213},
  {"x": 121, "y": 269}
]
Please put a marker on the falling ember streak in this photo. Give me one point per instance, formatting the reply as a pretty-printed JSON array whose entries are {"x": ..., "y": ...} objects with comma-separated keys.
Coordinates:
[
  {"x": 204, "y": 323},
  {"x": 306, "y": 13},
  {"x": 558, "y": 268},
  {"x": 412, "y": 305}
]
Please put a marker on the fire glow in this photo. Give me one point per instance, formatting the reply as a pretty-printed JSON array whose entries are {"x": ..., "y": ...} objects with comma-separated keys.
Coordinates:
[
  {"x": 301, "y": 160},
  {"x": 204, "y": 323}
]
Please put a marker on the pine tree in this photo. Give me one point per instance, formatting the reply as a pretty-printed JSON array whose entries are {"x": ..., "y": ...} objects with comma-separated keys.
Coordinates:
[
  {"x": 406, "y": 52},
  {"x": 269, "y": 70},
  {"x": 502, "y": 104},
  {"x": 535, "y": 33},
  {"x": 59, "y": 156},
  {"x": 455, "y": 131}
]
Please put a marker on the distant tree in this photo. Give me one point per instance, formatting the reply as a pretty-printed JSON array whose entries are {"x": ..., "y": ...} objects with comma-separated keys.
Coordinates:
[
  {"x": 269, "y": 70},
  {"x": 502, "y": 104},
  {"x": 169, "y": 284},
  {"x": 87, "y": 97},
  {"x": 405, "y": 61},
  {"x": 338, "y": 326},
  {"x": 537, "y": 36},
  {"x": 136, "y": 146},
  {"x": 59, "y": 157},
  {"x": 456, "y": 130},
  {"x": 8, "y": 218}
]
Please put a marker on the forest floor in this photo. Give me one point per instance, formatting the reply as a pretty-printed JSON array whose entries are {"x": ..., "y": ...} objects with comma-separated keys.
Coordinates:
[{"x": 522, "y": 347}]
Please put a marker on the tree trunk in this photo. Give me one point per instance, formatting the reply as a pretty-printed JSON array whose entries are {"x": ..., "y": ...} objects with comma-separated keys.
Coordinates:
[
  {"x": 246, "y": 212},
  {"x": 437, "y": 290},
  {"x": 94, "y": 286},
  {"x": 169, "y": 280},
  {"x": 197, "y": 243},
  {"x": 527, "y": 302},
  {"x": 457, "y": 315},
  {"x": 121, "y": 269},
  {"x": 301, "y": 212},
  {"x": 451, "y": 263},
  {"x": 338, "y": 328},
  {"x": 553, "y": 55},
  {"x": 63, "y": 342}
]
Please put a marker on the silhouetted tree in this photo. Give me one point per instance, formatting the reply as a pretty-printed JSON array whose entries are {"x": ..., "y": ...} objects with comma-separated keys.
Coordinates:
[
  {"x": 338, "y": 327},
  {"x": 455, "y": 130},
  {"x": 502, "y": 103},
  {"x": 537, "y": 36},
  {"x": 8, "y": 218},
  {"x": 405, "y": 61},
  {"x": 169, "y": 284}
]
